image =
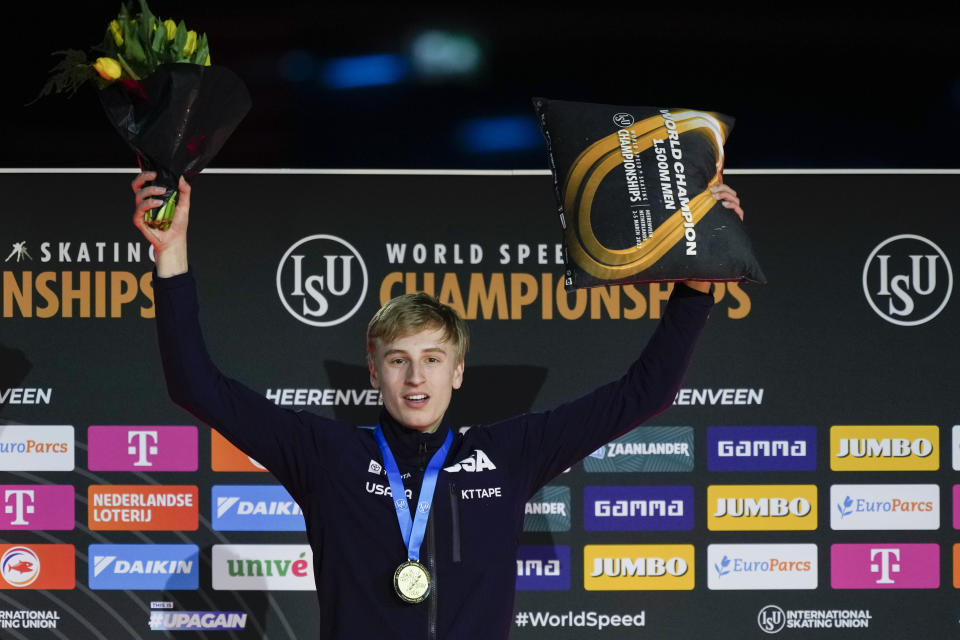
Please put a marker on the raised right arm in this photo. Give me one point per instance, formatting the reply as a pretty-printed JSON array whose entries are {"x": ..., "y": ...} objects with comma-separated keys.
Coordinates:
[{"x": 282, "y": 440}]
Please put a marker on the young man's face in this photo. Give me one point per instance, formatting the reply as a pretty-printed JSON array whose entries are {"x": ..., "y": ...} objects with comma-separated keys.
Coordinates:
[{"x": 416, "y": 374}]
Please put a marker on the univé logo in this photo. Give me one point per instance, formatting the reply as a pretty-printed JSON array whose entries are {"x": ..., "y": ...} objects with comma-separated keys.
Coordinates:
[
  {"x": 907, "y": 280},
  {"x": 322, "y": 280}
]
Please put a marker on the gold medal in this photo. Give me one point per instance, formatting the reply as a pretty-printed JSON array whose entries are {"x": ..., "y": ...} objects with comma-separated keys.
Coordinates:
[{"x": 411, "y": 581}]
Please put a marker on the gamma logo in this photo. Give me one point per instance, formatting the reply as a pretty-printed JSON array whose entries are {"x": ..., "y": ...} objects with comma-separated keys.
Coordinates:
[
  {"x": 322, "y": 280},
  {"x": 907, "y": 280}
]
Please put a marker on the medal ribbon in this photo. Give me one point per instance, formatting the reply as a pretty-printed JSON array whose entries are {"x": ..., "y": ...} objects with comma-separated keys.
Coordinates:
[{"x": 412, "y": 530}]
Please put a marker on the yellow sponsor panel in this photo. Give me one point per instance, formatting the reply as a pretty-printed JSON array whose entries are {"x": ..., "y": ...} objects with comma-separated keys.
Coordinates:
[
  {"x": 638, "y": 567},
  {"x": 885, "y": 448},
  {"x": 762, "y": 507}
]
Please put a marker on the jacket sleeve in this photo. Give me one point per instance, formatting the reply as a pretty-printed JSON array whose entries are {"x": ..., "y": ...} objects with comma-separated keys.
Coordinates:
[
  {"x": 549, "y": 442},
  {"x": 280, "y": 439}
]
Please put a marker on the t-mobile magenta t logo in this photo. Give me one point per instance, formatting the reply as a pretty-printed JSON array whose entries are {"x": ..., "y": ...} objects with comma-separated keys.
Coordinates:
[
  {"x": 889, "y": 563},
  {"x": 141, "y": 446}
]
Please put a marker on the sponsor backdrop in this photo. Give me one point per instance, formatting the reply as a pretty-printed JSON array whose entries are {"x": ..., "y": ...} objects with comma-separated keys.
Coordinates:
[{"x": 807, "y": 466}]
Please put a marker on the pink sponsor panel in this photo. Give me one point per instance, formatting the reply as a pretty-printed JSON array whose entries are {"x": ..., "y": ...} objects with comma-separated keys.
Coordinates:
[
  {"x": 885, "y": 565},
  {"x": 956, "y": 506},
  {"x": 142, "y": 448},
  {"x": 36, "y": 507}
]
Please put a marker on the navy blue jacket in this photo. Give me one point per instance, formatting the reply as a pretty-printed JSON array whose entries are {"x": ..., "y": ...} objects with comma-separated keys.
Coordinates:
[{"x": 491, "y": 472}]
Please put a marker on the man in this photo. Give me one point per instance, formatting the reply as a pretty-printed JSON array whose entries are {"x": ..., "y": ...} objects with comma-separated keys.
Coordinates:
[{"x": 442, "y": 565}]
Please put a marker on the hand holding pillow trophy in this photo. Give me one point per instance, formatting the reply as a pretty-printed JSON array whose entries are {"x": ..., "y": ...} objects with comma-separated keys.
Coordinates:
[
  {"x": 161, "y": 94},
  {"x": 637, "y": 191}
]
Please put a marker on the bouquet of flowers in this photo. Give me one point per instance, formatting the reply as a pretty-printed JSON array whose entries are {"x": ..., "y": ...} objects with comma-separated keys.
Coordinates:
[{"x": 161, "y": 94}]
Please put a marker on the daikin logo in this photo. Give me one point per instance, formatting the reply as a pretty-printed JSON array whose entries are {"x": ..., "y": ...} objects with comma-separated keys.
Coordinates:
[
  {"x": 144, "y": 566},
  {"x": 322, "y": 280},
  {"x": 255, "y": 508}
]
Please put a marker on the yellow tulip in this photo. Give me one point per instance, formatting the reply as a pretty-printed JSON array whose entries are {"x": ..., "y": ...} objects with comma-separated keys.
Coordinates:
[
  {"x": 117, "y": 32},
  {"x": 108, "y": 68},
  {"x": 191, "y": 45},
  {"x": 207, "y": 63},
  {"x": 171, "y": 28}
]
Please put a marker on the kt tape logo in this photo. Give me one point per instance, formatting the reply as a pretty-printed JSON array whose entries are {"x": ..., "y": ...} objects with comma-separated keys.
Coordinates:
[
  {"x": 322, "y": 280},
  {"x": 907, "y": 280}
]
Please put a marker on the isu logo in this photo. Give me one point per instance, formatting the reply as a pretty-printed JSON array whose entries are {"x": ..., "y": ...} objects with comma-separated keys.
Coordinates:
[
  {"x": 321, "y": 280},
  {"x": 907, "y": 280},
  {"x": 20, "y": 566}
]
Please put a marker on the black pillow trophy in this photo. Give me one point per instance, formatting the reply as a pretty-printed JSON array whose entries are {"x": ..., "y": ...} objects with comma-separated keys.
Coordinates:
[{"x": 633, "y": 193}]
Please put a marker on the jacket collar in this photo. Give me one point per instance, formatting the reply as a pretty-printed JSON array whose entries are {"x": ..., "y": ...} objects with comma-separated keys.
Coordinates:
[{"x": 412, "y": 448}]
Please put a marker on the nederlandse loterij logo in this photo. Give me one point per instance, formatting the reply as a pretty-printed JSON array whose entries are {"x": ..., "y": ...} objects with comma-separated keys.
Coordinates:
[
  {"x": 884, "y": 506},
  {"x": 638, "y": 567},
  {"x": 885, "y": 566},
  {"x": 907, "y": 280},
  {"x": 117, "y": 507},
  {"x": 322, "y": 280},
  {"x": 543, "y": 568},
  {"x": 144, "y": 566},
  {"x": 773, "y": 507},
  {"x": 762, "y": 566},
  {"x": 36, "y": 507},
  {"x": 548, "y": 510},
  {"x": 885, "y": 448}
]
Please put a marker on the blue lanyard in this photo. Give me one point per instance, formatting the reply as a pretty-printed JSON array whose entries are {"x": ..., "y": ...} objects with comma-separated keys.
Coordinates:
[{"x": 412, "y": 530}]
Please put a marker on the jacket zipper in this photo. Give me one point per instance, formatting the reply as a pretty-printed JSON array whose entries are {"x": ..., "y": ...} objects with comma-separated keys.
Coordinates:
[{"x": 455, "y": 518}]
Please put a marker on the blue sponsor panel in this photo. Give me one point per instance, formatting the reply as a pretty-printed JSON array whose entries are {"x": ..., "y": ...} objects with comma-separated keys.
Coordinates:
[
  {"x": 258, "y": 507},
  {"x": 157, "y": 567},
  {"x": 543, "y": 568},
  {"x": 762, "y": 448},
  {"x": 653, "y": 508}
]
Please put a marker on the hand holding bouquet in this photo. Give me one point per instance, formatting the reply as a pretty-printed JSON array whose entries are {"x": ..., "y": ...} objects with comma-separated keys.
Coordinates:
[{"x": 161, "y": 94}]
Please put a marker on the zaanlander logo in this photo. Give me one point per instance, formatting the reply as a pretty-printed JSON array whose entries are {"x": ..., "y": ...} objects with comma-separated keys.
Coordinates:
[
  {"x": 907, "y": 280},
  {"x": 885, "y": 448},
  {"x": 548, "y": 510},
  {"x": 645, "y": 449},
  {"x": 322, "y": 280}
]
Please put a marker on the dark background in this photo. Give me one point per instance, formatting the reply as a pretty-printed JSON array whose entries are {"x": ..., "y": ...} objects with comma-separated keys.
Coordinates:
[{"x": 825, "y": 88}]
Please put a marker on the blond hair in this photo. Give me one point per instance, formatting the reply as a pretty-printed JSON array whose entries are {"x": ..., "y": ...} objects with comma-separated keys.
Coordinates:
[{"x": 415, "y": 312}]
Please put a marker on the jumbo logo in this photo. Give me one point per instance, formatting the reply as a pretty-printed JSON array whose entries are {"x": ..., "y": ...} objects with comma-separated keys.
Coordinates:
[
  {"x": 638, "y": 567},
  {"x": 774, "y": 507},
  {"x": 321, "y": 280},
  {"x": 543, "y": 568},
  {"x": 885, "y": 448}
]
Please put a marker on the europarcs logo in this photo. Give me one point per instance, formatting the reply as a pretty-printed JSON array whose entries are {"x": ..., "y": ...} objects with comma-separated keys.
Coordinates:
[
  {"x": 322, "y": 280},
  {"x": 907, "y": 280}
]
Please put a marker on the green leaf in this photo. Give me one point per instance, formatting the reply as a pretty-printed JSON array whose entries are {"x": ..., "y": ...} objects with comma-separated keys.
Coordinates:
[
  {"x": 123, "y": 15},
  {"x": 145, "y": 11},
  {"x": 68, "y": 75},
  {"x": 203, "y": 50},
  {"x": 131, "y": 44},
  {"x": 179, "y": 42},
  {"x": 159, "y": 39}
]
